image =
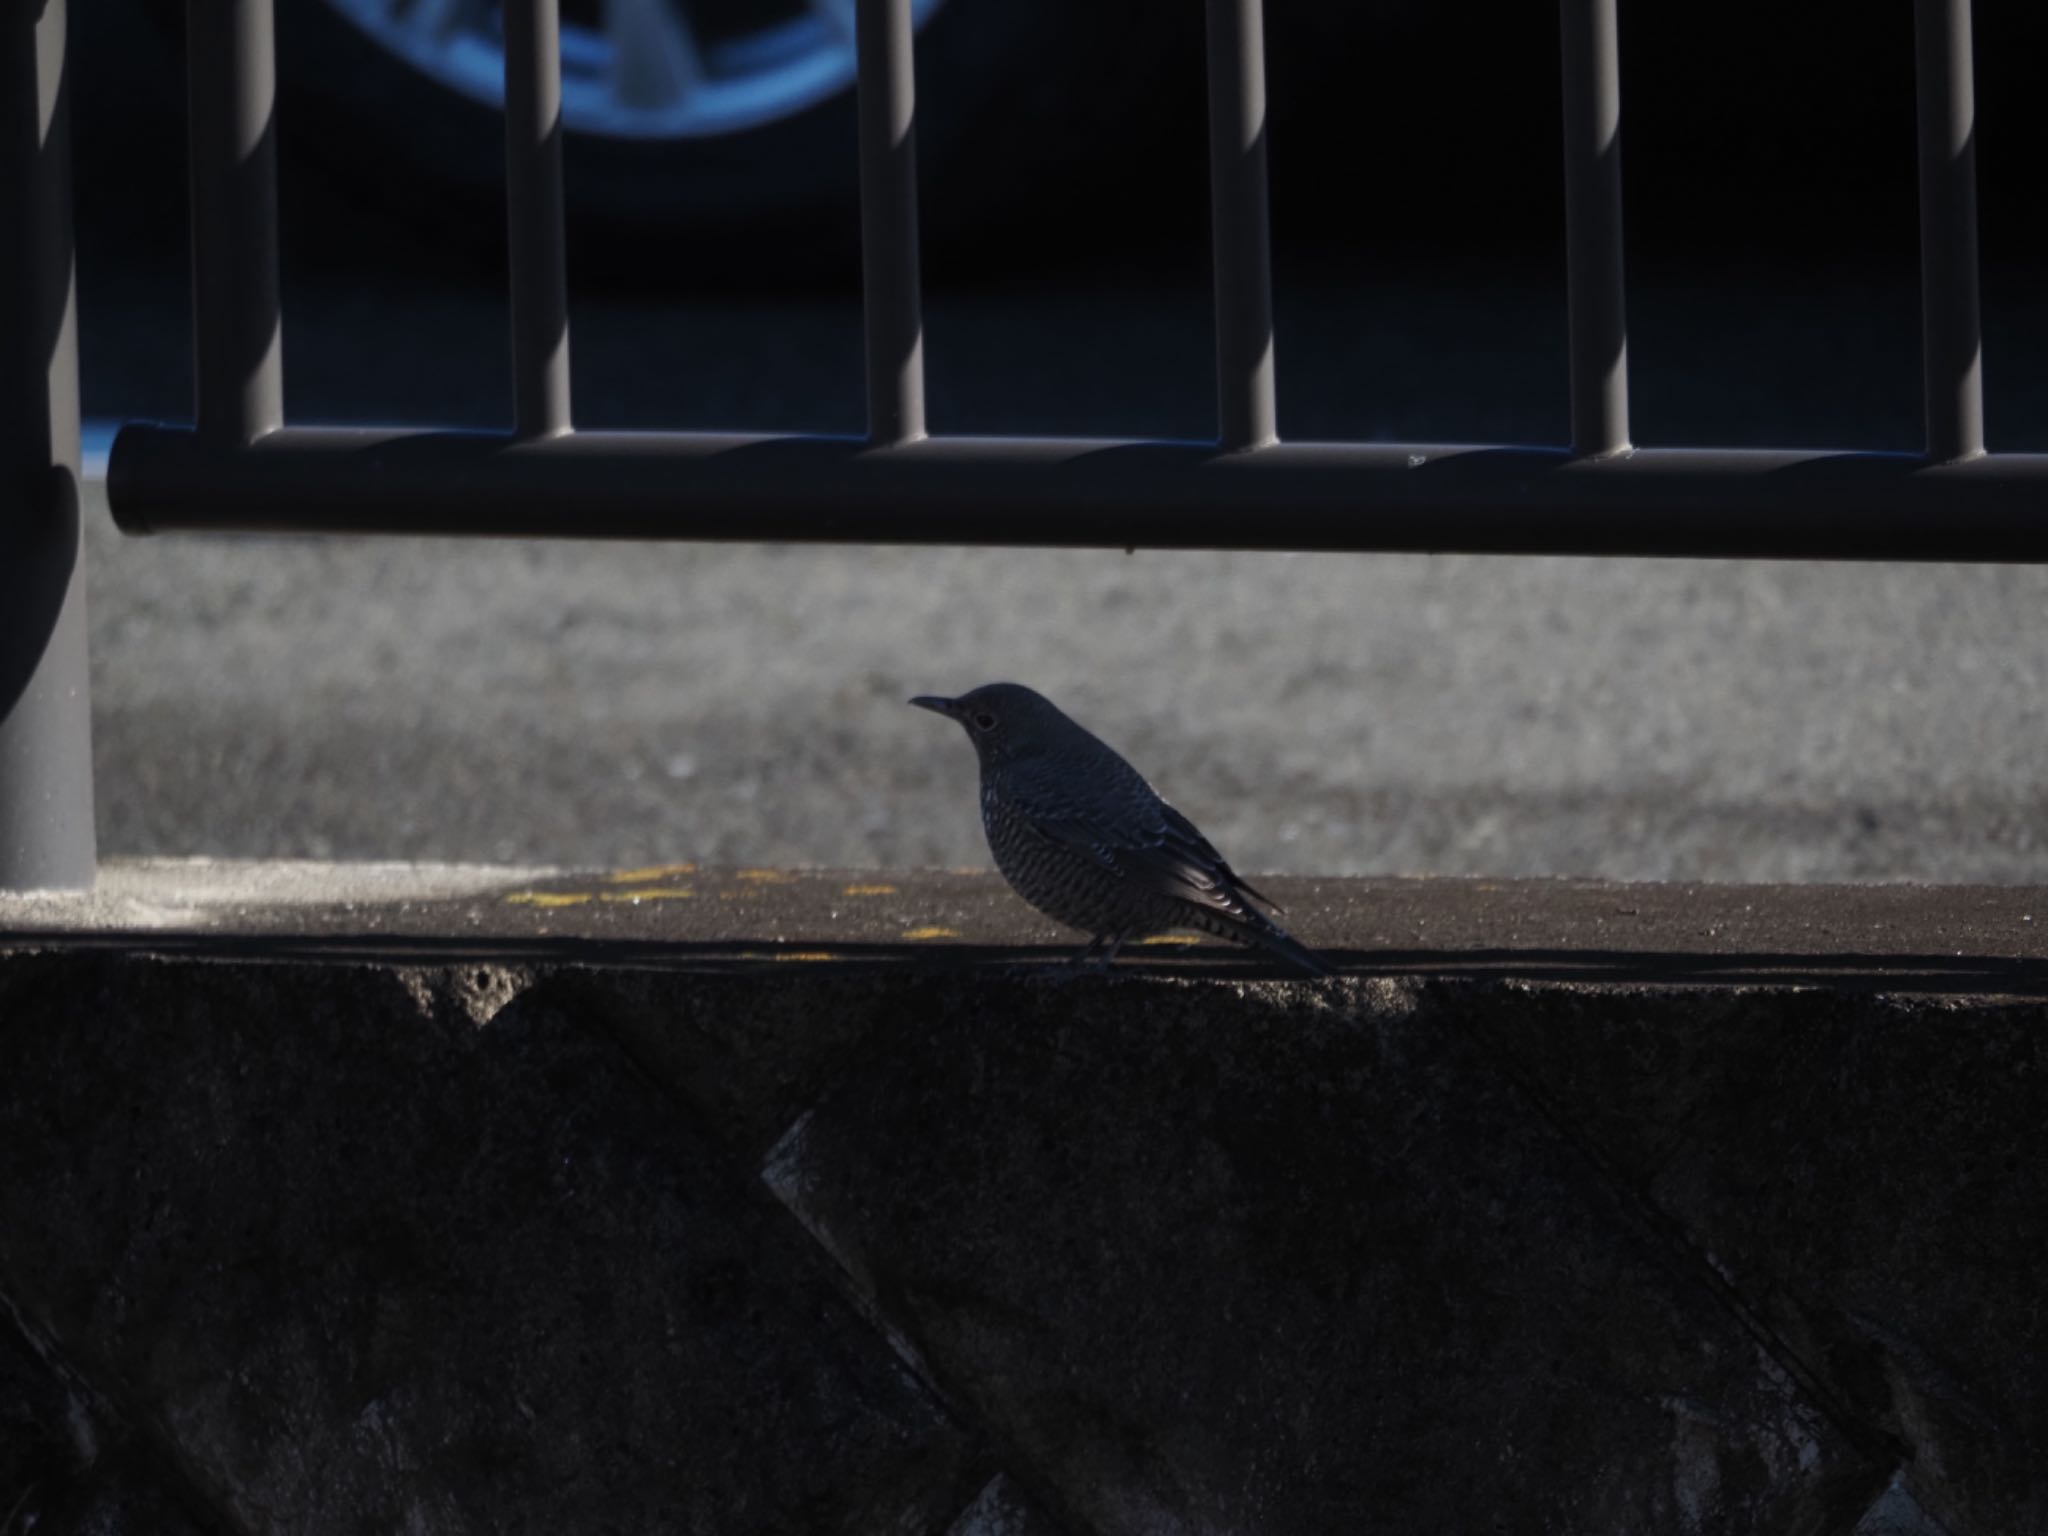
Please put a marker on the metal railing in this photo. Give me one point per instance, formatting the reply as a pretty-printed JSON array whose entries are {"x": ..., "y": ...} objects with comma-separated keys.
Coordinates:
[
  {"x": 237, "y": 468},
  {"x": 46, "y": 831},
  {"x": 240, "y": 467}
]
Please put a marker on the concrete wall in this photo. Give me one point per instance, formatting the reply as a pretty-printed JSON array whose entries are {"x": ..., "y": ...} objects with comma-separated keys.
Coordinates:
[{"x": 356, "y": 1246}]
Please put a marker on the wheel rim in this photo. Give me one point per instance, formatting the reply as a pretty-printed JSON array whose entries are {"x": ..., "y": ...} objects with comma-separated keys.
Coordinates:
[{"x": 640, "y": 69}]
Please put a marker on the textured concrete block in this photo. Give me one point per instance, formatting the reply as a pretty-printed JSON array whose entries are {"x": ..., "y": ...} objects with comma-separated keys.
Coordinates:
[
  {"x": 1003, "y": 1509},
  {"x": 68, "y": 1465},
  {"x": 1898, "y": 1513},
  {"x": 374, "y": 1268},
  {"x": 1251, "y": 1258},
  {"x": 1869, "y": 1173},
  {"x": 479, "y": 1230},
  {"x": 751, "y": 1051}
]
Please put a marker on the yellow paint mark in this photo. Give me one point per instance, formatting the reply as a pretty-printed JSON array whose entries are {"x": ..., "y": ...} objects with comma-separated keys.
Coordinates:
[
  {"x": 765, "y": 876},
  {"x": 651, "y": 872},
  {"x": 807, "y": 954},
  {"x": 931, "y": 933},
  {"x": 869, "y": 890},
  {"x": 548, "y": 898},
  {"x": 650, "y": 893},
  {"x": 1171, "y": 938}
]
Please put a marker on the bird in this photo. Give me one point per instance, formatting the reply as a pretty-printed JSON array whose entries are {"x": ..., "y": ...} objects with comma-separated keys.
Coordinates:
[{"x": 1082, "y": 837}]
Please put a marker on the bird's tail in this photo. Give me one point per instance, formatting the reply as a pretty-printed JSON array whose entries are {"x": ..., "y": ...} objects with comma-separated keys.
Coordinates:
[{"x": 1262, "y": 931}]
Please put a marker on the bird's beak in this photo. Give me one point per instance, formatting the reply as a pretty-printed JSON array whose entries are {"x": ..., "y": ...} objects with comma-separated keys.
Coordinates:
[{"x": 947, "y": 707}]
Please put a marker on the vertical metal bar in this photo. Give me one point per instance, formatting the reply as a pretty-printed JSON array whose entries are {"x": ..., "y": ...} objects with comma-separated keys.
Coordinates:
[
  {"x": 533, "y": 211},
  {"x": 1245, "y": 408},
  {"x": 888, "y": 221},
  {"x": 1592, "y": 198},
  {"x": 46, "y": 821},
  {"x": 1948, "y": 230},
  {"x": 231, "y": 74}
]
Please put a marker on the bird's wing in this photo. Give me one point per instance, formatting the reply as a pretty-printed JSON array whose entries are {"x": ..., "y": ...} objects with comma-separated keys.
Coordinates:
[
  {"x": 1155, "y": 866},
  {"x": 1146, "y": 841},
  {"x": 1183, "y": 832}
]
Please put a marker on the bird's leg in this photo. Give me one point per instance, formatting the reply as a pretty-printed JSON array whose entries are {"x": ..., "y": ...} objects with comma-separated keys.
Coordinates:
[
  {"x": 1086, "y": 958},
  {"x": 1101, "y": 951}
]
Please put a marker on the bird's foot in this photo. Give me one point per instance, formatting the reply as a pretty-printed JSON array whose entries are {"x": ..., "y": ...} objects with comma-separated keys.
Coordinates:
[{"x": 1098, "y": 955}]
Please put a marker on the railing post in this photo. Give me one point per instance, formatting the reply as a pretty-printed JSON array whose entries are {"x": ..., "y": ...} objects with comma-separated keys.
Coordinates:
[
  {"x": 1593, "y": 247},
  {"x": 1246, "y": 415},
  {"x": 46, "y": 822},
  {"x": 534, "y": 212},
  {"x": 1951, "y": 364},
  {"x": 887, "y": 102},
  {"x": 237, "y": 330}
]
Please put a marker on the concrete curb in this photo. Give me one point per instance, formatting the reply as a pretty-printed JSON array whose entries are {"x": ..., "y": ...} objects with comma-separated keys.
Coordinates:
[{"x": 547, "y": 1230}]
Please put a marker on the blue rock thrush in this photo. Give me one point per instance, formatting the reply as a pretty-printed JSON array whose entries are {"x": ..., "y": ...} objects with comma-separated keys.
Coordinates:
[{"x": 1081, "y": 836}]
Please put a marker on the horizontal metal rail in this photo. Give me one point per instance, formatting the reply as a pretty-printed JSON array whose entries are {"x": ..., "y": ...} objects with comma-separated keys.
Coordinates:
[
  {"x": 1243, "y": 490},
  {"x": 1084, "y": 492}
]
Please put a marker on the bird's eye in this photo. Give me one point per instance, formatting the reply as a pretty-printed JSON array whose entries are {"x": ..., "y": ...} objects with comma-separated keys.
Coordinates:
[{"x": 984, "y": 721}]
